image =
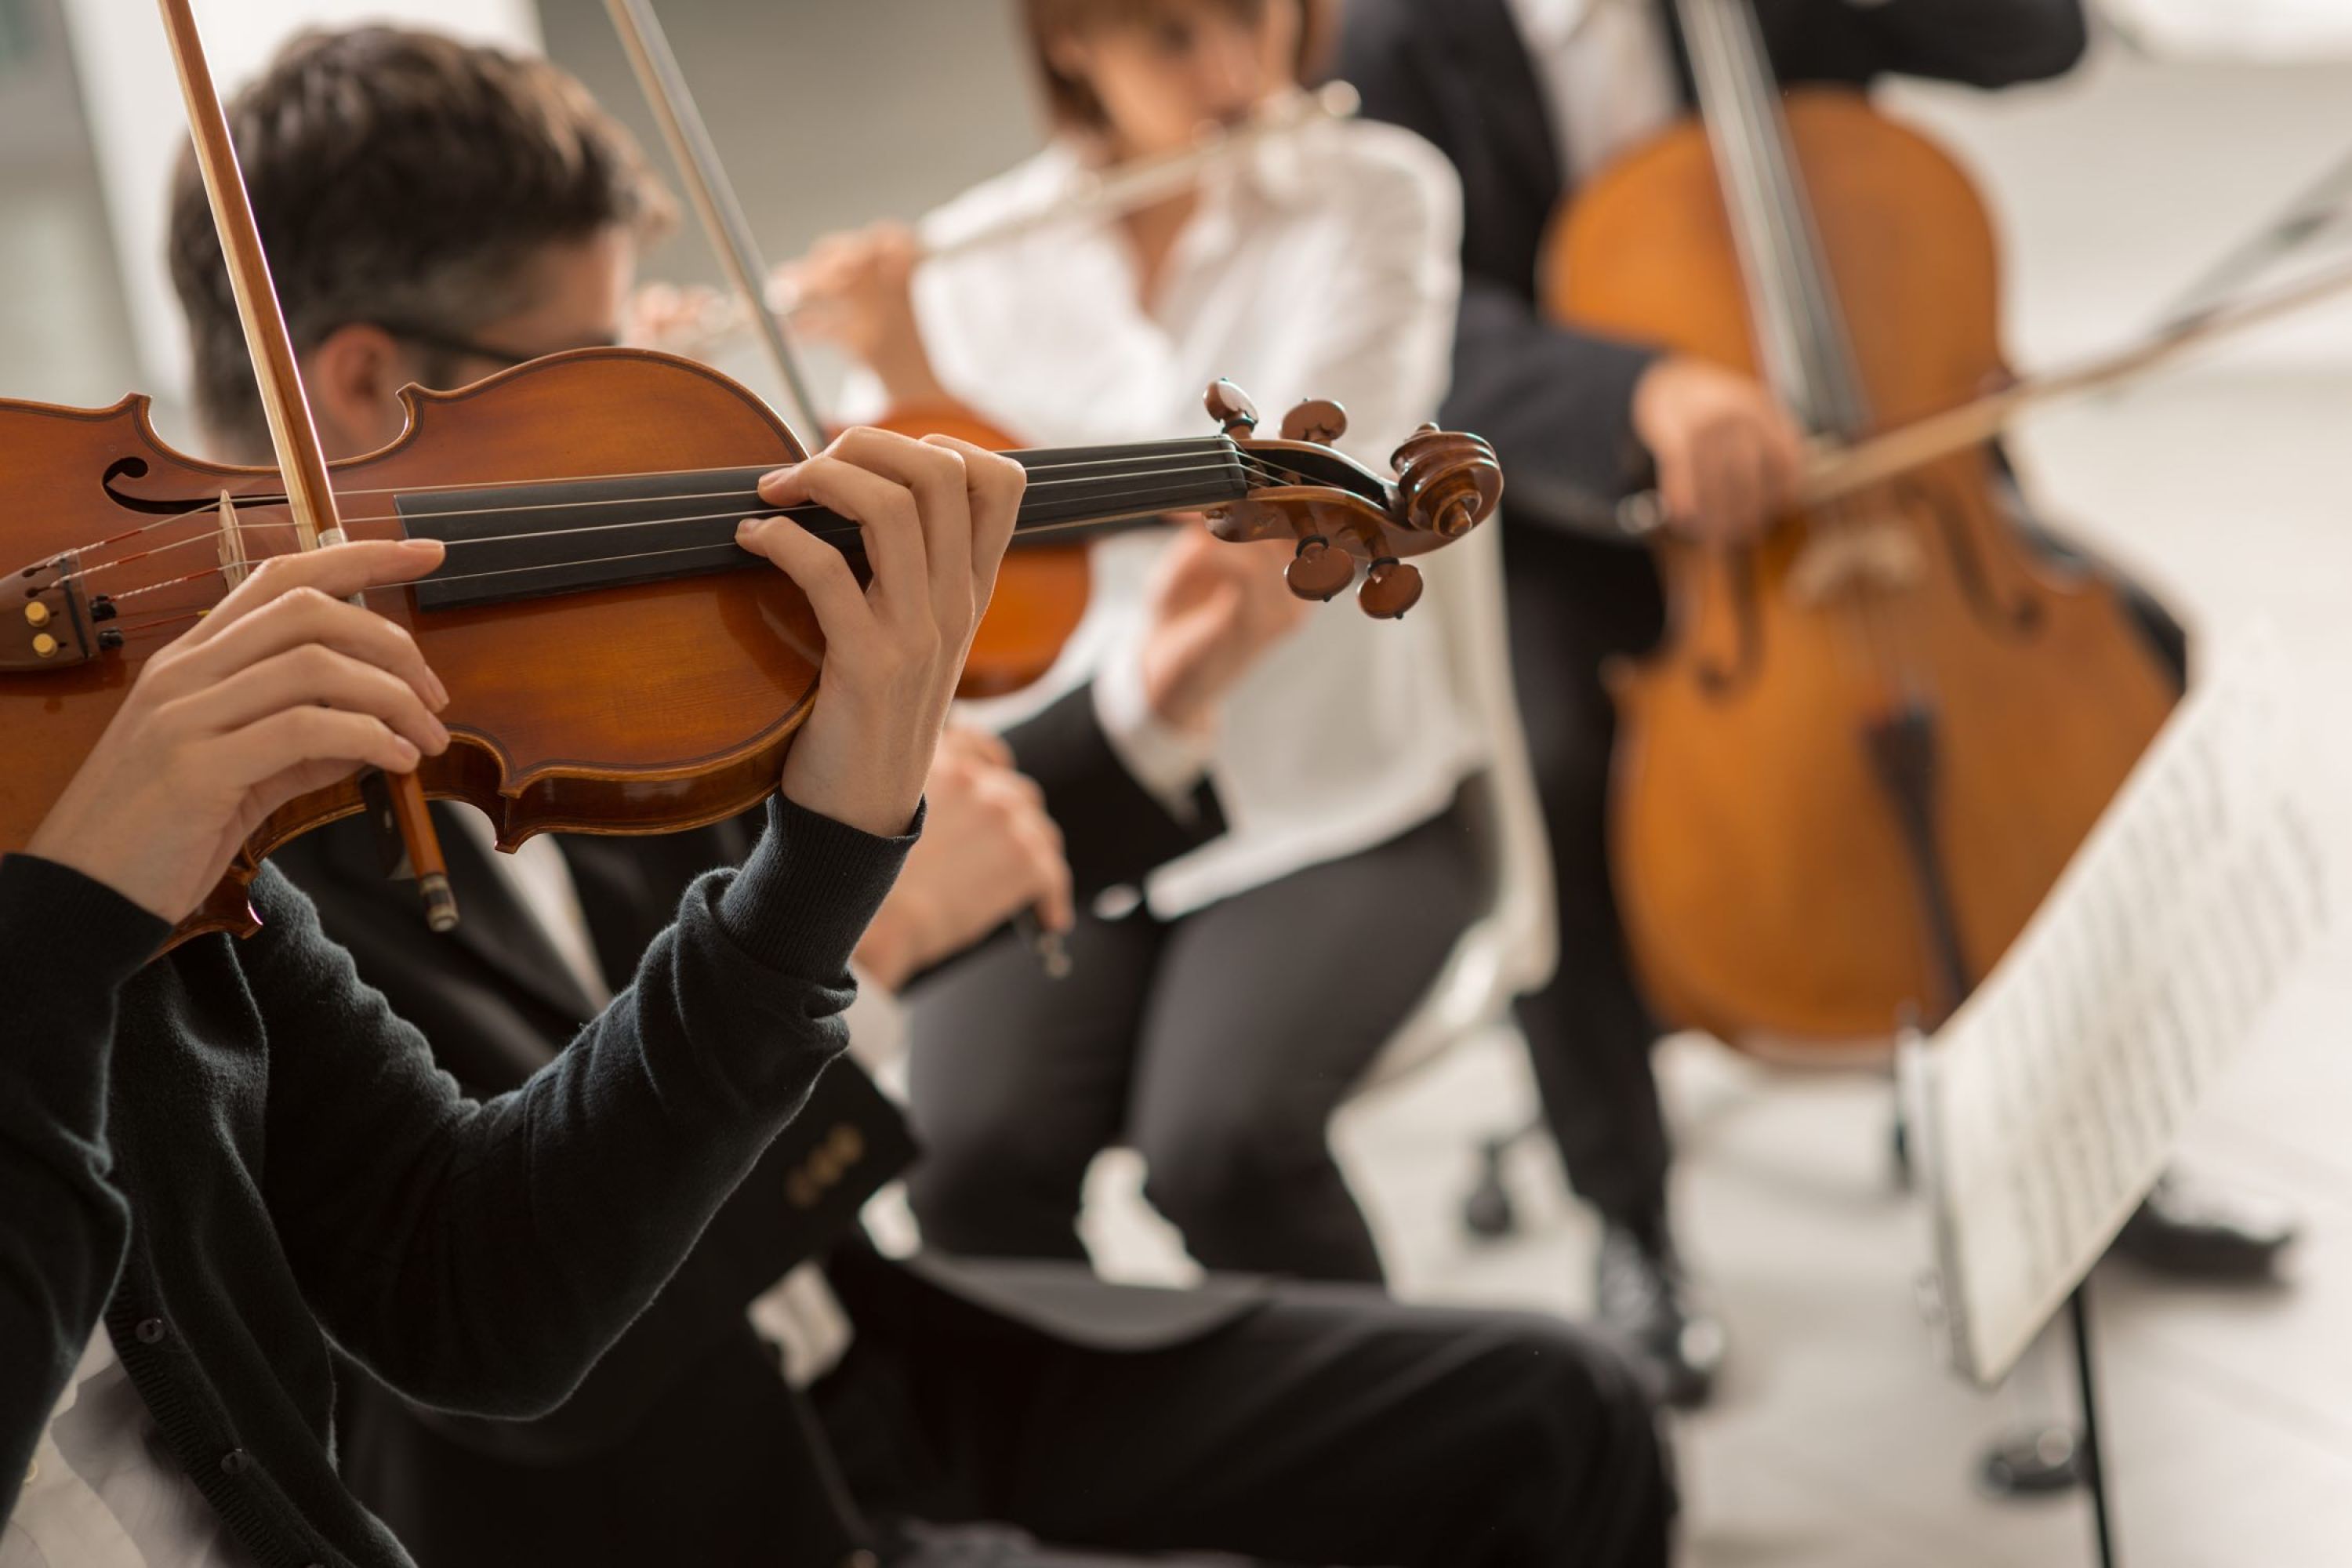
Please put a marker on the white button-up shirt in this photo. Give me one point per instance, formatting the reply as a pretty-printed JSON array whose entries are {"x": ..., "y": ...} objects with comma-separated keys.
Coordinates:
[
  {"x": 1325, "y": 263},
  {"x": 1607, "y": 68},
  {"x": 104, "y": 1492}
]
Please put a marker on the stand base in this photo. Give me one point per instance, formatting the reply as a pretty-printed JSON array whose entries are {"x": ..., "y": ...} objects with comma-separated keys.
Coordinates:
[{"x": 2035, "y": 1462}]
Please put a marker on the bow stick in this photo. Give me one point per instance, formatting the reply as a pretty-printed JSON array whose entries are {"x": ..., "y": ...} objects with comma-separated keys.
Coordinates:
[{"x": 292, "y": 435}]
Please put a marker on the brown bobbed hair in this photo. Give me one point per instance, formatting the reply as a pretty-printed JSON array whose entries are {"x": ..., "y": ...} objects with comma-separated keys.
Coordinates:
[{"x": 1073, "y": 104}]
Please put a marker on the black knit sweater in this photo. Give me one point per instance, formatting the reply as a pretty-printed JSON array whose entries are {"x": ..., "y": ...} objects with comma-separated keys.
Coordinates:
[{"x": 238, "y": 1151}]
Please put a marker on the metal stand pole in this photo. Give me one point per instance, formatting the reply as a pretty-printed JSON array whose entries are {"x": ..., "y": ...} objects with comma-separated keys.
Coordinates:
[{"x": 2094, "y": 1467}]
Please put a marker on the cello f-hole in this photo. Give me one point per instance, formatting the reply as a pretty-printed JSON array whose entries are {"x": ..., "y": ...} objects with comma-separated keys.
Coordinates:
[
  {"x": 2016, "y": 615},
  {"x": 1718, "y": 680}
]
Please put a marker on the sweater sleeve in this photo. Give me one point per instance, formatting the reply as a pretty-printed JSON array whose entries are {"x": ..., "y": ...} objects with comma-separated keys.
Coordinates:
[
  {"x": 1555, "y": 404},
  {"x": 478, "y": 1256},
  {"x": 66, "y": 945},
  {"x": 1114, "y": 829},
  {"x": 1984, "y": 43}
]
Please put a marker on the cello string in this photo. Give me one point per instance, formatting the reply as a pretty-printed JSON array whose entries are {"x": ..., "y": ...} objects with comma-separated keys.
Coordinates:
[{"x": 1783, "y": 247}]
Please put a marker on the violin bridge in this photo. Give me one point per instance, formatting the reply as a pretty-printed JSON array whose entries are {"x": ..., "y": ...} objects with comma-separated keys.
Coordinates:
[{"x": 235, "y": 567}]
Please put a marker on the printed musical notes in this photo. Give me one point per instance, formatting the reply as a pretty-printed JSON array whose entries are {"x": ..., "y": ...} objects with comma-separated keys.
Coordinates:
[{"x": 2050, "y": 1103}]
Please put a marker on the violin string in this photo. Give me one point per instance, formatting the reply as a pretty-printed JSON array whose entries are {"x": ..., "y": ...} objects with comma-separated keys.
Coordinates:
[
  {"x": 429, "y": 490},
  {"x": 92, "y": 569},
  {"x": 265, "y": 502},
  {"x": 753, "y": 510},
  {"x": 1250, "y": 463},
  {"x": 138, "y": 626}
]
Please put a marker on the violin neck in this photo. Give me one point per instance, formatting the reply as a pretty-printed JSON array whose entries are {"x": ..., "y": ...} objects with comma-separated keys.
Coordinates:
[
  {"x": 527, "y": 541},
  {"x": 1075, "y": 489},
  {"x": 1800, "y": 332}
]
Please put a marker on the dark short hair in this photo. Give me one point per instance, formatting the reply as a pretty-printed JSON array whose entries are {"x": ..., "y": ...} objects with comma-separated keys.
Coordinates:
[
  {"x": 1073, "y": 104},
  {"x": 397, "y": 176}
]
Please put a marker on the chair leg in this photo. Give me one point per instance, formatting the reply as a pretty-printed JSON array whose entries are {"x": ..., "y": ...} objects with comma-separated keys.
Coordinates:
[{"x": 1488, "y": 1209}]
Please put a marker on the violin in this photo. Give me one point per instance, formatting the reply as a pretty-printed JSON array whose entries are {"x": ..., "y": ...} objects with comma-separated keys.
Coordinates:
[
  {"x": 1870, "y": 741},
  {"x": 615, "y": 662}
]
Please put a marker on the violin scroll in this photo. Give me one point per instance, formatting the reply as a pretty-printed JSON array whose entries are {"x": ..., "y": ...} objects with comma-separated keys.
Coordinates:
[
  {"x": 1336, "y": 514},
  {"x": 1447, "y": 483}
]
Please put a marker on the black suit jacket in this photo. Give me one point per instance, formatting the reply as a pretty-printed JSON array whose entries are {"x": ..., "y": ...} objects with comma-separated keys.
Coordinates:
[
  {"x": 684, "y": 1445},
  {"x": 1557, "y": 404}
]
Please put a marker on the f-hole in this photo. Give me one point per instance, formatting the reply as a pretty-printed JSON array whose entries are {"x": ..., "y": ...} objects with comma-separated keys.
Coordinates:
[
  {"x": 2019, "y": 616},
  {"x": 1718, "y": 680},
  {"x": 144, "y": 506}
]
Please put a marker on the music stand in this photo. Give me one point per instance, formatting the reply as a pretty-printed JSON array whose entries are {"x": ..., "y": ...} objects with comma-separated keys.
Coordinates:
[{"x": 2044, "y": 1109}]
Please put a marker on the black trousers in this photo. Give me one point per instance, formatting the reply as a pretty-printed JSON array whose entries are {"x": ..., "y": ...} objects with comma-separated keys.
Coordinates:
[
  {"x": 1218, "y": 1043},
  {"x": 1576, "y": 604},
  {"x": 1327, "y": 1425}
]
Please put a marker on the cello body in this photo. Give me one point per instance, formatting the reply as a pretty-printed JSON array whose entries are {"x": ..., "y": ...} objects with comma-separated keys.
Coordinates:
[{"x": 1868, "y": 744}]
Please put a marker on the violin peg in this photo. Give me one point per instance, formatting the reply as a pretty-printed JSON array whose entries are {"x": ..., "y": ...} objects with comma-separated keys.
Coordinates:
[
  {"x": 1319, "y": 420},
  {"x": 1391, "y": 588},
  {"x": 1319, "y": 572},
  {"x": 1230, "y": 407}
]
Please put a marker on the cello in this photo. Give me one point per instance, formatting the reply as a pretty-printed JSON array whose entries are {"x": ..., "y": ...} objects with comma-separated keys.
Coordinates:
[
  {"x": 1871, "y": 740},
  {"x": 615, "y": 662}
]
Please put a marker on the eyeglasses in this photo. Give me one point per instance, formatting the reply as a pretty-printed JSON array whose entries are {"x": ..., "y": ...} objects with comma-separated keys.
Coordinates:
[{"x": 451, "y": 343}]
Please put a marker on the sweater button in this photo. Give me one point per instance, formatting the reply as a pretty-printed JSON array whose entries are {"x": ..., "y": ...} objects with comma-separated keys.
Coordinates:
[
  {"x": 148, "y": 1331},
  {"x": 236, "y": 1462}
]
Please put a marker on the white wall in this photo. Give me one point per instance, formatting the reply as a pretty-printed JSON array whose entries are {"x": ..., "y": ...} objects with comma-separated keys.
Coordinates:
[
  {"x": 2241, "y": 29},
  {"x": 2117, "y": 187},
  {"x": 137, "y": 124}
]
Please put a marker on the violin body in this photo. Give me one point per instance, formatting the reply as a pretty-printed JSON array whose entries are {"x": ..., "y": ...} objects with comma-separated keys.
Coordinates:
[
  {"x": 1865, "y": 747},
  {"x": 645, "y": 708}
]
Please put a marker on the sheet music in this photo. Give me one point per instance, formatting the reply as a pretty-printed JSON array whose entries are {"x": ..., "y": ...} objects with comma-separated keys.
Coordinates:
[{"x": 2053, "y": 1099}]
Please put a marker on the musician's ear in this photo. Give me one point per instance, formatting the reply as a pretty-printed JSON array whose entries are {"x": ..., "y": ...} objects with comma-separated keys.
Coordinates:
[{"x": 353, "y": 376}]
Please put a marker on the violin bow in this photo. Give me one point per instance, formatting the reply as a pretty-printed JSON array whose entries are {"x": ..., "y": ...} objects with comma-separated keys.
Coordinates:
[
  {"x": 293, "y": 435},
  {"x": 713, "y": 194}
]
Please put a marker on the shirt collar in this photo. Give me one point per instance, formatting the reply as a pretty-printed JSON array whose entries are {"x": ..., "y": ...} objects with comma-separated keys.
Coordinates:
[{"x": 1548, "y": 24}]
